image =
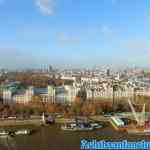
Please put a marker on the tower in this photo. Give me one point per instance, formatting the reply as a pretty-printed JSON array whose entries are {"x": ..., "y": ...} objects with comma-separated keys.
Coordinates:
[
  {"x": 107, "y": 72},
  {"x": 50, "y": 69}
]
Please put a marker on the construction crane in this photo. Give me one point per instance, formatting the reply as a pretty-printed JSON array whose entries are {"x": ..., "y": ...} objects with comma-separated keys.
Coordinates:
[{"x": 139, "y": 118}]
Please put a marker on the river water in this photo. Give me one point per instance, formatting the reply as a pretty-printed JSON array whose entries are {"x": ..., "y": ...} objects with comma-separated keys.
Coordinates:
[{"x": 52, "y": 138}]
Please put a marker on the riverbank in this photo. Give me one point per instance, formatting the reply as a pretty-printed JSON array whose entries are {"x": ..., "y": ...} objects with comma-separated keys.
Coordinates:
[
  {"x": 17, "y": 122},
  {"x": 89, "y": 118},
  {"x": 38, "y": 121}
]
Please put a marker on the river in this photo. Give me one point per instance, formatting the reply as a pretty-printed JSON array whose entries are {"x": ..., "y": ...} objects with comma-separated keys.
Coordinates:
[{"x": 52, "y": 138}]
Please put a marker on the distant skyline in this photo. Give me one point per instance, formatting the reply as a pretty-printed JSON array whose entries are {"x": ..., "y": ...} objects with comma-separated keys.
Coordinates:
[{"x": 74, "y": 33}]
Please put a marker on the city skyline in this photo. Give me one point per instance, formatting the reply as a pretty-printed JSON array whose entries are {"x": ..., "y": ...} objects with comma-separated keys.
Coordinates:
[{"x": 74, "y": 33}]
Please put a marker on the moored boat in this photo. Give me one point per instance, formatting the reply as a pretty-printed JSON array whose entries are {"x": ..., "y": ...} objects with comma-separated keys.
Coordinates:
[
  {"x": 68, "y": 127},
  {"x": 3, "y": 133},
  {"x": 96, "y": 125},
  {"x": 22, "y": 132},
  {"x": 139, "y": 132},
  {"x": 77, "y": 127}
]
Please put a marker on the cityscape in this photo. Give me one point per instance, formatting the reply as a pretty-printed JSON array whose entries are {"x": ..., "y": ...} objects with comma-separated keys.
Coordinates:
[
  {"x": 74, "y": 74},
  {"x": 63, "y": 86}
]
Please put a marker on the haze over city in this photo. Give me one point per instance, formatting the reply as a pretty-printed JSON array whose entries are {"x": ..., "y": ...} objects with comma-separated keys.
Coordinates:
[{"x": 74, "y": 33}]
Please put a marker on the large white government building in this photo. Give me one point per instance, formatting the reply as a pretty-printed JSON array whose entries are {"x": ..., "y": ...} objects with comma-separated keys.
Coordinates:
[
  {"x": 24, "y": 96},
  {"x": 50, "y": 94}
]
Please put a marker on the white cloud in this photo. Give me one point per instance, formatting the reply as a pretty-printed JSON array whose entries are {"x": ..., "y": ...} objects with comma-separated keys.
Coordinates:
[{"x": 46, "y": 7}]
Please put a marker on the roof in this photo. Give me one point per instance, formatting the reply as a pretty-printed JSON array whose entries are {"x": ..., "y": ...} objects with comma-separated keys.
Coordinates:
[{"x": 40, "y": 90}]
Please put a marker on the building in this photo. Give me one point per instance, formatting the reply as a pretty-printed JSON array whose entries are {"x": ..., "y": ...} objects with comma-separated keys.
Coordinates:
[
  {"x": 71, "y": 93},
  {"x": 47, "y": 94},
  {"x": 23, "y": 96},
  {"x": 13, "y": 95},
  {"x": 7, "y": 96},
  {"x": 108, "y": 72},
  {"x": 68, "y": 78},
  {"x": 66, "y": 93}
]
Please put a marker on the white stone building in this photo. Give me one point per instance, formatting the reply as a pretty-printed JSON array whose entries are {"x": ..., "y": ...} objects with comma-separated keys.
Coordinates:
[{"x": 12, "y": 95}]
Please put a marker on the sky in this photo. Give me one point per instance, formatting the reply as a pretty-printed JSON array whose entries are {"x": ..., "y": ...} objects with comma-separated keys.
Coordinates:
[{"x": 74, "y": 33}]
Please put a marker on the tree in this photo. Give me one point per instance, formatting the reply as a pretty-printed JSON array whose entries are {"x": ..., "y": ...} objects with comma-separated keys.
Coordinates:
[
  {"x": 82, "y": 94},
  {"x": 67, "y": 112},
  {"x": 89, "y": 108},
  {"x": 36, "y": 100},
  {"x": 107, "y": 108},
  {"x": 5, "y": 112},
  {"x": 85, "y": 109},
  {"x": 76, "y": 107},
  {"x": 51, "y": 108},
  {"x": 122, "y": 107}
]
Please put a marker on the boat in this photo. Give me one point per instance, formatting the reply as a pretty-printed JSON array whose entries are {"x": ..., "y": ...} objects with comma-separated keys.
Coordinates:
[
  {"x": 3, "y": 133},
  {"x": 139, "y": 132},
  {"x": 77, "y": 127},
  {"x": 83, "y": 128},
  {"x": 22, "y": 132},
  {"x": 69, "y": 127},
  {"x": 49, "y": 120},
  {"x": 96, "y": 125}
]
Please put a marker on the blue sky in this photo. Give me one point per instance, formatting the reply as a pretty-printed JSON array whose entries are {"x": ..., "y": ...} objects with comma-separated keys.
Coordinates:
[{"x": 74, "y": 33}]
